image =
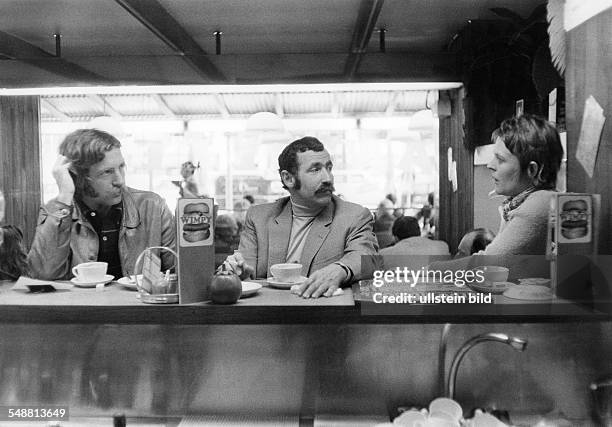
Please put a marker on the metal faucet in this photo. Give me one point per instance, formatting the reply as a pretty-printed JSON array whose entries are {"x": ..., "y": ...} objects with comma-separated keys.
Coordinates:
[
  {"x": 602, "y": 400},
  {"x": 518, "y": 344}
]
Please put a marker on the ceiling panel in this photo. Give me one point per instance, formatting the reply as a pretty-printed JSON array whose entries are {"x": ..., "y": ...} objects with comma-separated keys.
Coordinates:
[
  {"x": 240, "y": 103},
  {"x": 264, "y": 41},
  {"x": 305, "y": 103},
  {"x": 265, "y": 26},
  {"x": 134, "y": 105},
  {"x": 19, "y": 74},
  {"x": 358, "y": 102},
  {"x": 426, "y": 26},
  {"x": 143, "y": 69},
  {"x": 88, "y": 27},
  {"x": 192, "y": 104},
  {"x": 77, "y": 105}
]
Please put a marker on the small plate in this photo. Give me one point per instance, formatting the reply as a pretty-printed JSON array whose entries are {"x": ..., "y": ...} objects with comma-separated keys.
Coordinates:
[
  {"x": 128, "y": 283},
  {"x": 539, "y": 281},
  {"x": 76, "y": 282},
  {"x": 529, "y": 292},
  {"x": 491, "y": 287},
  {"x": 249, "y": 289},
  {"x": 275, "y": 283}
]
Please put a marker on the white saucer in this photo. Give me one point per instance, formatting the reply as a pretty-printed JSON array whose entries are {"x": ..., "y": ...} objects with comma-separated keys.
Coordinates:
[
  {"x": 250, "y": 288},
  {"x": 529, "y": 292},
  {"x": 275, "y": 283},
  {"x": 491, "y": 287},
  {"x": 539, "y": 281},
  {"x": 76, "y": 282},
  {"x": 128, "y": 283}
]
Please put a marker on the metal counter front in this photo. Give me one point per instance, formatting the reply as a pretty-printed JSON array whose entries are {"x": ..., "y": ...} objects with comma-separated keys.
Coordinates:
[{"x": 117, "y": 305}]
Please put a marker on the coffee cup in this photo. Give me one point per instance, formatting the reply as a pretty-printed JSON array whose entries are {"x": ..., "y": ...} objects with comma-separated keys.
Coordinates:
[
  {"x": 432, "y": 421},
  {"x": 494, "y": 273},
  {"x": 90, "y": 271},
  {"x": 409, "y": 418},
  {"x": 445, "y": 409},
  {"x": 287, "y": 272}
]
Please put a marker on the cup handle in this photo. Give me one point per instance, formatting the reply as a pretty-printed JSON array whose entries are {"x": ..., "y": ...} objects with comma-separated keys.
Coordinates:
[{"x": 75, "y": 271}]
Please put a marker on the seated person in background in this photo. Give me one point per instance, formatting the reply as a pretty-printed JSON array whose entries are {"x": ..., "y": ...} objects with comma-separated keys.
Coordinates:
[
  {"x": 189, "y": 186},
  {"x": 226, "y": 238},
  {"x": 249, "y": 199},
  {"x": 474, "y": 241},
  {"x": 428, "y": 216},
  {"x": 240, "y": 209},
  {"x": 383, "y": 223},
  {"x": 325, "y": 234},
  {"x": 407, "y": 234},
  {"x": 526, "y": 159},
  {"x": 95, "y": 217},
  {"x": 13, "y": 258},
  {"x": 391, "y": 197}
]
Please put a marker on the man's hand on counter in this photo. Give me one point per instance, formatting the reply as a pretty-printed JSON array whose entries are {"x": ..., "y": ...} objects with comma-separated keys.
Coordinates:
[
  {"x": 322, "y": 282},
  {"x": 237, "y": 264}
]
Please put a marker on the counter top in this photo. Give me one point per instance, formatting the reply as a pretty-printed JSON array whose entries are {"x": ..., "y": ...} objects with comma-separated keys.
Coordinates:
[{"x": 117, "y": 305}]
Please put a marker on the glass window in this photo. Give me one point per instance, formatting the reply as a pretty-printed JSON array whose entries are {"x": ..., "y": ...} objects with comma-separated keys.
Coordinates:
[{"x": 372, "y": 156}]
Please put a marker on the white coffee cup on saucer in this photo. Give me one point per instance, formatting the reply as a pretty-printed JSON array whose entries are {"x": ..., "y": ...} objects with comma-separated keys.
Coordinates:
[
  {"x": 434, "y": 421},
  {"x": 286, "y": 272},
  {"x": 90, "y": 272},
  {"x": 445, "y": 408},
  {"x": 410, "y": 418},
  {"x": 494, "y": 273}
]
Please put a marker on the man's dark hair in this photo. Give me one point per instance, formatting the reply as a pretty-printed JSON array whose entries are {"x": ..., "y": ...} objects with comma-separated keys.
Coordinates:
[
  {"x": 288, "y": 158},
  {"x": 532, "y": 138},
  {"x": 84, "y": 148},
  {"x": 482, "y": 238},
  {"x": 250, "y": 198},
  {"x": 406, "y": 226},
  {"x": 12, "y": 253}
]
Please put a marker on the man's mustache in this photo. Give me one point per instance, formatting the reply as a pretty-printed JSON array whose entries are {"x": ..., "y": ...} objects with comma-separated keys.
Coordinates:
[{"x": 325, "y": 188}]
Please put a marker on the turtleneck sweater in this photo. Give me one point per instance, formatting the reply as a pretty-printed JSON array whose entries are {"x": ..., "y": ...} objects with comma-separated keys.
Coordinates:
[{"x": 302, "y": 219}]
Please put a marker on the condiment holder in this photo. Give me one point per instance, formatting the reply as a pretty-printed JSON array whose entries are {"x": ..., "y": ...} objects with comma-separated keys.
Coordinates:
[{"x": 156, "y": 287}]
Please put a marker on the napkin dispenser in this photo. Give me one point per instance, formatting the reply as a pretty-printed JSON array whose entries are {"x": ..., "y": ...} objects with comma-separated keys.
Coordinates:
[
  {"x": 572, "y": 244},
  {"x": 196, "y": 250}
]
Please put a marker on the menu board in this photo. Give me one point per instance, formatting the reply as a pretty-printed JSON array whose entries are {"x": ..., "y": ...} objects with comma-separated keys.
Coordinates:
[
  {"x": 196, "y": 250},
  {"x": 573, "y": 231}
]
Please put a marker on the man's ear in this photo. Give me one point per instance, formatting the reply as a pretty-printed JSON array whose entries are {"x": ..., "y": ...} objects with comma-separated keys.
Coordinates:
[{"x": 288, "y": 179}]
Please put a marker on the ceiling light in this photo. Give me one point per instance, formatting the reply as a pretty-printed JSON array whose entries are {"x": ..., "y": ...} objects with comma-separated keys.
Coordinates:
[
  {"x": 264, "y": 121},
  {"x": 195, "y": 89}
]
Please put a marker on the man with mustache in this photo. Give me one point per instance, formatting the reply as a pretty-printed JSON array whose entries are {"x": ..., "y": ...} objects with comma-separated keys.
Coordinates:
[
  {"x": 95, "y": 217},
  {"x": 312, "y": 227}
]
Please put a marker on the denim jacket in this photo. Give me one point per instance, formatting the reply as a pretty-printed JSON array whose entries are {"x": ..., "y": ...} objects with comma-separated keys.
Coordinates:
[{"x": 63, "y": 240}]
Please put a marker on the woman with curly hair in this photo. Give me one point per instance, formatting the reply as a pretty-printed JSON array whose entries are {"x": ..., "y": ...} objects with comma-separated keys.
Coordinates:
[{"x": 13, "y": 262}]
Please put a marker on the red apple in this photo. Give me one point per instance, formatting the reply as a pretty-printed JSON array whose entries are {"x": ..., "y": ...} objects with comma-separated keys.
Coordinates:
[{"x": 225, "y": 288}]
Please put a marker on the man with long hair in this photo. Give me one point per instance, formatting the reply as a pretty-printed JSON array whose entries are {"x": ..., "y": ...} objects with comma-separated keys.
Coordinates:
[{"x": 95, "y": 216}]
